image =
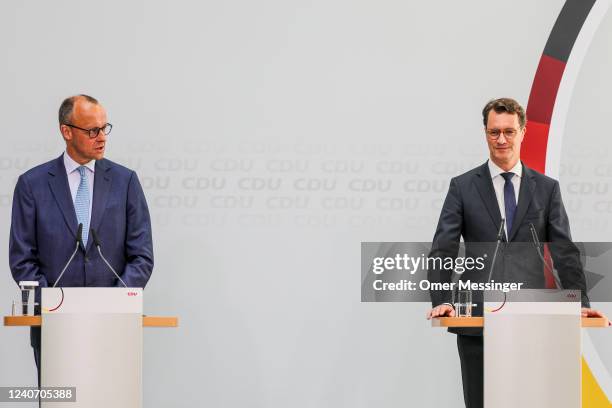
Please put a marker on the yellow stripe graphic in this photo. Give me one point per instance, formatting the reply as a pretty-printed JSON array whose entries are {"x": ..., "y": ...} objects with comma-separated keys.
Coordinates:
[{"x": 592, "y": 394}]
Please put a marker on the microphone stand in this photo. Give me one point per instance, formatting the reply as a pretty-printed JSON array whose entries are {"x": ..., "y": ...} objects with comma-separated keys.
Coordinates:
[
  {"x": 536, "y": 242},
  {"x": 97, "y": 244},
  {"x": 79, "y": 243},
  {"x": 500, "y": 236}
]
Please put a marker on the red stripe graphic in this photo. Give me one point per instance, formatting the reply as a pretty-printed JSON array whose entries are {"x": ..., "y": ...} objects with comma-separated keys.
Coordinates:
[
  {"x": 539, "y": 111},
  {"x": 544, "y": 89},
  {"x": 536, "y": 138}
]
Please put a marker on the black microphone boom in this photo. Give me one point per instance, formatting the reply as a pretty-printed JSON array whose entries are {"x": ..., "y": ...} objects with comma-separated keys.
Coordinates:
[
  {"x": 500, "y": 232},
  {"x": 79, "y": 244},
  {"x": 79, "y": 237},
  {"x": 500, "y": 237},
  {"x": 95, "y": 237},
  {"x": 536, "y": 242},
  {"x": 98, "y": 246}
]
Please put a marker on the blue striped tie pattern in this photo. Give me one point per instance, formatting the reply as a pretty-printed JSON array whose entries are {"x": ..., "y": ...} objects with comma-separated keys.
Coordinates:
[
  {"x": 81, "y": 203},
  {"x": 509, "y": 200}
]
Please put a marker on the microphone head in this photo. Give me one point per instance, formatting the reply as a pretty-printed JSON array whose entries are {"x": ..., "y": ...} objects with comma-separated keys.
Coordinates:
[
  {"x": 500, "y": 233},
  {"x": 534, "y": 235},
  {"x": 95, "y": 237},
  {"x": 79, "y": 236}
]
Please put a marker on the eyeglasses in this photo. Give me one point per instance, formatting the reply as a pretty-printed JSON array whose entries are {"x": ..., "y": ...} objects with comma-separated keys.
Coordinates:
[
  {"x": 94, "y": 132},
  {"x": 496, "y": 133}
]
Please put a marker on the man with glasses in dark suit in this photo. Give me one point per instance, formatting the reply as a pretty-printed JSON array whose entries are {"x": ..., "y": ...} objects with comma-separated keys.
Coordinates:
[
  {"x": 502, "y": 189},
  {"x": 80, "y": 187}
]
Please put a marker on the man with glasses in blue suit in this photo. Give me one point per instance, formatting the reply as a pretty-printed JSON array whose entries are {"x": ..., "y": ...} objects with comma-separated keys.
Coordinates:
[{"x": 80, "y": 187}]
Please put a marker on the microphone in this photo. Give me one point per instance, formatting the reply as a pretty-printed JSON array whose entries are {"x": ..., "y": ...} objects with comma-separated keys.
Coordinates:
[
  {"x": 536, "y": 242},
  {"x": 79, "y": 244},
  {"x": 98, "y": 246},
  {"x": 500, "y": 237},
  {"x": 500, "y": 233}
]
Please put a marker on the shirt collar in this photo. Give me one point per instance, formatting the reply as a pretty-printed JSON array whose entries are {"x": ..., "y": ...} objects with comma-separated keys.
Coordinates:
[
  {"x": 495, "y": 170},
  {"x": 71, "y": 165}
]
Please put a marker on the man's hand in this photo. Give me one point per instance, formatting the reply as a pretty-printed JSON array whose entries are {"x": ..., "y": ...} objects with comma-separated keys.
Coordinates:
[
  {"x": 586, "y": 312},
  {"x": 440, "y": 311}
]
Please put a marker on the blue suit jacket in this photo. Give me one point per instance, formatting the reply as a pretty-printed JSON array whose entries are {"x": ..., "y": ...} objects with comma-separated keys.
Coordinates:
[{"x": 44, "y": 228}]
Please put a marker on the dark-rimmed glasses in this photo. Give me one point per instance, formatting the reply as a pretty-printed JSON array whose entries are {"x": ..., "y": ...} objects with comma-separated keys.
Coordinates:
[
  {"x": 94, "y": 132},
  {"x": 496, "y": 133}
]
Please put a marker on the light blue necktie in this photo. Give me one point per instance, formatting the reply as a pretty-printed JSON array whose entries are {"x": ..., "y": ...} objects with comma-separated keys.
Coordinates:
[{"x": 81, "y": 203}]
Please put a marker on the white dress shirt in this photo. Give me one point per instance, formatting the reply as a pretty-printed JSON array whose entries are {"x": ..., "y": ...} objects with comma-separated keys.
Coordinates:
[
  {"x": 499, "y": 182},
  {"x": 74, "y": 178}
]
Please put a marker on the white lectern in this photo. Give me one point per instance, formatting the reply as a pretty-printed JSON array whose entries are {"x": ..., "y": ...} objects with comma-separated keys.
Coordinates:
[
  {"x": 92, "y": 340},
  {"x": 532, "y": 349}
]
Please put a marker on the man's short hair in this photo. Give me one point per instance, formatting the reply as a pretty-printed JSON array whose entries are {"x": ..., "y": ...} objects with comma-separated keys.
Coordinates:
[
  {"x": 502, "y": 105},
  {"x": 65, "y": 110}
]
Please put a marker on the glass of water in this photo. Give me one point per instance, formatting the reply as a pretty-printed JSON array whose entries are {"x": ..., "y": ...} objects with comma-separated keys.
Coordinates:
[
  {"x": 28, "y": 302},
  {"x": 463, "y": 307}
]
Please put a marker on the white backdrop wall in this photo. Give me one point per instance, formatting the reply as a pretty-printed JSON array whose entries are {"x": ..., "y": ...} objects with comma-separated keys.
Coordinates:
[{"x": 271, "y": 138}]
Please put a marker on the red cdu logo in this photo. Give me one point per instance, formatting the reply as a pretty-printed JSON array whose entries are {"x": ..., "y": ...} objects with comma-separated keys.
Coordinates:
[{"x": 132, "y": 293}]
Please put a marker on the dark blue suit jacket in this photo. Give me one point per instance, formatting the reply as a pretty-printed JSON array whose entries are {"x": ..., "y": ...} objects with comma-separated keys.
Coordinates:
[
  {"x": 471, "y": 211},
  {"x": 44, "y": 227}
]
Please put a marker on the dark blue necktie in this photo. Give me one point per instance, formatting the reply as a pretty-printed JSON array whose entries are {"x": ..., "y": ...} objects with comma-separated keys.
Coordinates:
[{"x": 509, "y": 201}]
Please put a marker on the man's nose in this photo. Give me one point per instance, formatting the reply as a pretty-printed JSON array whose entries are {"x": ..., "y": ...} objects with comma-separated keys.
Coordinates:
[{"x": 502, "y": 139}]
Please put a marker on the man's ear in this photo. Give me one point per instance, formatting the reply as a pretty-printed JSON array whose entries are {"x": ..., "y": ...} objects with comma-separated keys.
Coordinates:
[{"x": 66, "y": 132}]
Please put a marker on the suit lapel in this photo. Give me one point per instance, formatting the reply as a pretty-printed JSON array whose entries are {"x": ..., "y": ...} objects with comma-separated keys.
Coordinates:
[
  {"x": 102, "y": 185},
  {"x": 484, "y": 184},
  {"x": 58, "y": 183},
  {"x": 526, "y": 192}
]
